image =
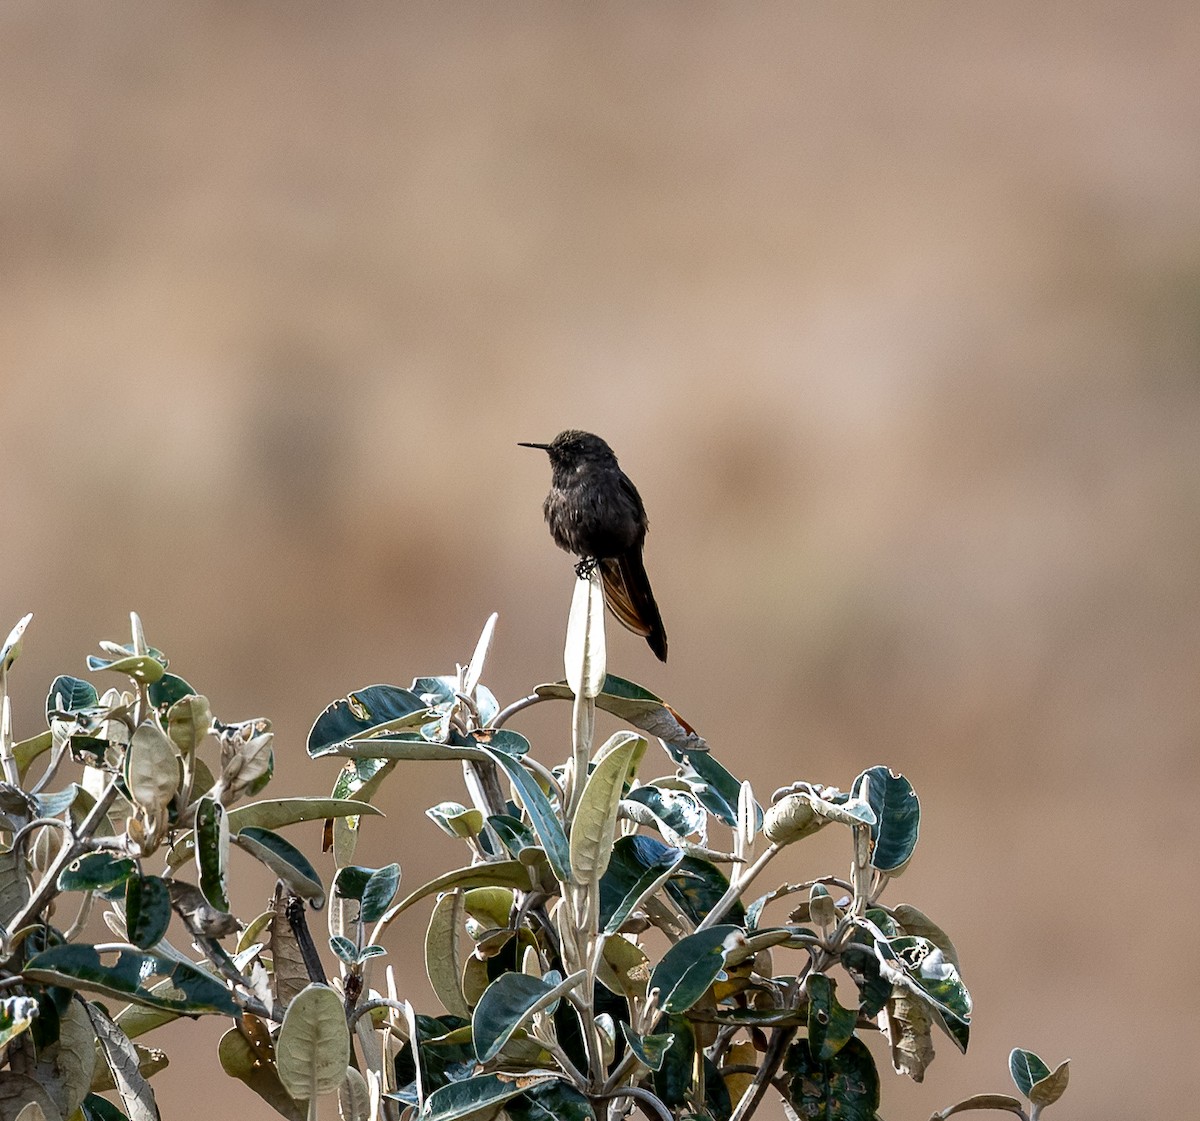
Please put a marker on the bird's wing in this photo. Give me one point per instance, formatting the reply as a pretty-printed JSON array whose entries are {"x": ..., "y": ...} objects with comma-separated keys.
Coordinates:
[
  {"x": 635, "y": 501},
  {"x": 628, "y": 595},
  {"x": 618, "y": 599}
]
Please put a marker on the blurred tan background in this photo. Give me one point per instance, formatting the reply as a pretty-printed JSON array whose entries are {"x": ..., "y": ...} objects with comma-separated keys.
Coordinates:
[{"x": 892, "y": 312}]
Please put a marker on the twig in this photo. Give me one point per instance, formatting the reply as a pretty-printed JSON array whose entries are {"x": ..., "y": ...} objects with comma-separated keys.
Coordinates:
[
  {"x": 56, "y": 758},
  {"x": 371, "y": 1006},
  {"x": 25, "y": 830},
  {"x": 500, "y": 717},
  {"x": 294, "y": 912},
  {"x": 765, "y": 1074},
  {"x": 220, "y": 960},
  {"x": 85, "y": 911},
  {"x": 644, "y": 1096}
]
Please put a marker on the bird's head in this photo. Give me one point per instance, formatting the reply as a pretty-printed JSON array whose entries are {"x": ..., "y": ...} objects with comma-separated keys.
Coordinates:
[{"x": 573, "y": 447}]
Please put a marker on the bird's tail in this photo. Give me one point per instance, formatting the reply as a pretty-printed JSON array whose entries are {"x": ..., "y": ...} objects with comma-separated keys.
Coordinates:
[{"x": 628, "y": 595}]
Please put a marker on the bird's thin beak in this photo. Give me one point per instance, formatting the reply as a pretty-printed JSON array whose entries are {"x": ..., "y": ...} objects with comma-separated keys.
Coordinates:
[{"x": 522, "y": 444}]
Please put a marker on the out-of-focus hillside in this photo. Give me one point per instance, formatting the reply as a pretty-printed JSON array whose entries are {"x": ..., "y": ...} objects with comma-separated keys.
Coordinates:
[{"x": 893, "y": 314}]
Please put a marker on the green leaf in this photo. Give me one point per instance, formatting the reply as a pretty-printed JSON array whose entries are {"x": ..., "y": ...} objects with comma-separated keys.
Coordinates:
[
  {"x": 147, "y": 910},
  {"x": 239, "y": 1060},
  {"x": 456, "y": 819},
  {"x": 1049, "y": 1089},
  {"x": 550, "y": 1101},
  {"x": 1003, "y": 1102},
  {"x": 439, "y": 692},
  {"x": 96, "y": 1108},
  {"x": 698, "y": 886},
  {"x": 70, "y": 695},
  {"x": 695, "y": 886},
  {"x": 96, "y": 871},
  {"x": 53, "y": 804},
  {"x": 716, "y": 1093},
  {"x": 913, "y": 921},
  {"x": 262, "y": 761},
  {"x": 845, "y": 1087},
  {"x": 541, "y": 813},
  {"x": 830, "y": 1025},
  {"x": 313, "y": 1048},
  {"x": 143, "y": 668},
  {"x": 11, "y": 650},
  {"x": 443, "y": 953},
  {"x": 585, "y": 649},
  {"x": 273, "y": 814},
  {"x": 151, "y": 768},
  {"x": 189, "y": 720},
  {"x": 26, "y": 751},
  {"x": 673, "y": 1079},
  {"x": 689, "y": 967},
  {"x": 650, "y": 1050},
  {"x": 77, "y": 966},
  {"x": 19, "y": 1092},
  {"x": 860, "y": 961},
  {"x": 359, "y": 779},
  {"x": 958, "y": 1032},
  {"x": 14, "y": 885},
  {"x": 918, "y": 965},
  {"x": 379, "y": 892},
  {"x": 433, "y": 1045},
  {"x": 285, "y": 860},
  {"x": 507, "y": 1003},
  {"x": 212, "y": 851},
  {"x": 714, "y": 786},
  {"x": 475, "y": 1095},
  {"x": 679, "y": 811},
  {"x": 167, "y": 690},
  {"x": 16, "y": 1014},
  {"x": 351, "y": 881},
  {"x": 504, "y": 873},
  {"x": 350, "y": 953},
  {"x": 761, "y": 1017},
  {"x": 807, "y": 809},
  {"x": 514, "y": 834},
  {"x": 138, "y": 1019},
  {"x": 122, "y": 1061},
  {"x": 278, "y": 812},
  {"x": 637, "y": 882},
  {"x": 595, "y": 821},
  {"x": 898, "y": 817},
  {"x": 489, "y": 906},
  {"x": 639, "y": 707},
  {"x": 1027, "y": 1069},
  {"x": 408, "y": 746},
  {"x": 498, "y": 739},
  {"x": 365, "y": 712}
]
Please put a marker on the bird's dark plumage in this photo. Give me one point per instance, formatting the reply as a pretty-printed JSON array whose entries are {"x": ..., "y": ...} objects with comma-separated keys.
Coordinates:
[{"x": 595, "y": 512}]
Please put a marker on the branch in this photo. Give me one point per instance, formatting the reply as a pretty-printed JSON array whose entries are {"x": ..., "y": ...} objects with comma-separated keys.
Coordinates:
[
  {"x": 48, "y": 888},
  {"x": 740, "y": 882}
]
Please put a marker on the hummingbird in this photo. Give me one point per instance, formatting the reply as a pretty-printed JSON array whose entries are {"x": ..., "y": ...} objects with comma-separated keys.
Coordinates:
[{"x": 595, "y": 512}]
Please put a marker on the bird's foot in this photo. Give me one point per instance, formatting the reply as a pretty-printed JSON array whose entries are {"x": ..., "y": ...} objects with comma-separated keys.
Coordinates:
[{"x": 586, "y": 567}]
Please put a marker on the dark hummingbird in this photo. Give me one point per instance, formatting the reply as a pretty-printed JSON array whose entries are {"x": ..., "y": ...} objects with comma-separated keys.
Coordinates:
[{"x": 594, "y": 511}]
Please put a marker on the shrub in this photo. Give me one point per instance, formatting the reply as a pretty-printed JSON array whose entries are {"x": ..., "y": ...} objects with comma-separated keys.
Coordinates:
[{"x": 599, "y": 949}]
